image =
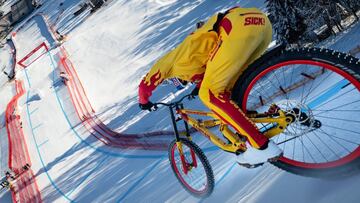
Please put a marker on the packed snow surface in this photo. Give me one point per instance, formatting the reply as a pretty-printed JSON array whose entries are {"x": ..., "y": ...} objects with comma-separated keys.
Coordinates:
[{"x": 111, "y": 50}]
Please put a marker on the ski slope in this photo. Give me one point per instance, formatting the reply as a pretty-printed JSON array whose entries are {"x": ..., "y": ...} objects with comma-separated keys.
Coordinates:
[{"x": 110, "y": 51}]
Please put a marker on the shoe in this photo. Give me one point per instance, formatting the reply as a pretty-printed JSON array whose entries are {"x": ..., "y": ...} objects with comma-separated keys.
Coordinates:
[{"x": 254, "y": 157}]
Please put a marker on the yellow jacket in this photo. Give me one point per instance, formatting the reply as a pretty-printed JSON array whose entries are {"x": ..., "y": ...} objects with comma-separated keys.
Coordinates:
[{"x": 187, "y": 61}]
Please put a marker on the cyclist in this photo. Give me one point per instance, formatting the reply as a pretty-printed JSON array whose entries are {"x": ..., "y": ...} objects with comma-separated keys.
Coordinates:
[{"x": 214, "y": 56}]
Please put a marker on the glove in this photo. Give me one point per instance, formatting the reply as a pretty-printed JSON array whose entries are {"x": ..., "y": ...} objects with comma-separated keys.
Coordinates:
[
  {"x": 194, "y": 93},
  {"x": 148, "y": 106}
]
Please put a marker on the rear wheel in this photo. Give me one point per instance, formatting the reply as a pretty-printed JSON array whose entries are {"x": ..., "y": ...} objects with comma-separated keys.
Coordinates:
[
  {"x": 321, "y": 89},
  {"x": 193, "y": 170}
]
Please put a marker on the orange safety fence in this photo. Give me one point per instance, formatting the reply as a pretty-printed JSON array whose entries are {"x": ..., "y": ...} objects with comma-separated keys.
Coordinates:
[
  {"x": 24, "y": 188},
  {"x": 86, "y": 114}
]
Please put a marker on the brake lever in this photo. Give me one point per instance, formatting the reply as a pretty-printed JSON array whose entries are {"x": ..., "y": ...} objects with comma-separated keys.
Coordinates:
[{"x": 154, "y": 108}]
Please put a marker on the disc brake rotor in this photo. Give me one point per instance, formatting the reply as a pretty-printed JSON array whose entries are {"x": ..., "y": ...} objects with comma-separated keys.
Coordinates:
[{"x": 303, "y": 117}]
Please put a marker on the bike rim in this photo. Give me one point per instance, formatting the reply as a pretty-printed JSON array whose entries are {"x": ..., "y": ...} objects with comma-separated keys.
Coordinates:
[
  {"x": 332, "y": 90},
  {"x": 196, "y": 180}
]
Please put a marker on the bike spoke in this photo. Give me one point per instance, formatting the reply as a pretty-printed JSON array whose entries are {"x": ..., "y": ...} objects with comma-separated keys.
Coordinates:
[
  {"x": 331, "y": 137},
  {"x": 340, "y": 119},
  {"x": 333, "y": 99},
  {"x": 339, "y": 138},
  {"x": 293, "y": 155},
  {"x": 283, "y": 74},
  {"x": 284, "y": 142},
  {"x": 196, "y": 177},
  {"x": 317, "y": 148},
  {"x": 307, "y": 150},
  {"x": 251, "y": 103},
  {"x": 293, "y": 138},
  {"x": 329, "y": 110},
  {"x": 312, "y": 79},
  {"x": 326, "y": 97},
  {"x": 302, "y": 149},
  {"x": 277, "y": 140},
  {"x": 317, "y": 86},
  {"x": 327, "y": 146},
  {"x": 280, "y": 87},
  {"x": 267, "y": 98},
  {"x": 303, "y": 99},
  {"x": 337, "y": 107},
  {"x": 347, "y": 130},
  {"x": 306, "y": 98}
]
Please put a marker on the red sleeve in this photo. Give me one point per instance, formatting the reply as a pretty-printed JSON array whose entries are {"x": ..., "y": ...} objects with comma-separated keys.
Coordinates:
[
  {"x": 146, "y": 88},
  {"x": 197, "y": 79}
]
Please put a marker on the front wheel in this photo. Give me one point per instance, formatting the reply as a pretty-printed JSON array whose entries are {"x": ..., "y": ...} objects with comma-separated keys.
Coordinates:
[
  {"x": 320, "y": 88},
  {"x": 192, "y": 169}
]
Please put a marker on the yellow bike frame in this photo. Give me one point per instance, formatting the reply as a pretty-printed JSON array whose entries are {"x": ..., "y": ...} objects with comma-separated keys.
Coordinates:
[{"x": 279, "y": 123}]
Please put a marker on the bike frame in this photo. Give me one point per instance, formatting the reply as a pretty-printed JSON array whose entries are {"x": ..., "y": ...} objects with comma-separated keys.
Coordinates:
[{"x": 279, "y": 121}]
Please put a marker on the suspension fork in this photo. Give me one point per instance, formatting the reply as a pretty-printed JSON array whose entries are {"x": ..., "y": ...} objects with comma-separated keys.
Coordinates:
[
  {"x": 185, "y": 166},
  {"x": 178, "y": 142},
  {"x": 193, "y": 156}
]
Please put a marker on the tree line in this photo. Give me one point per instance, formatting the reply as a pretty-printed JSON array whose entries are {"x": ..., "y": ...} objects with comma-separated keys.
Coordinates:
[{"x": 307, "y": 21}]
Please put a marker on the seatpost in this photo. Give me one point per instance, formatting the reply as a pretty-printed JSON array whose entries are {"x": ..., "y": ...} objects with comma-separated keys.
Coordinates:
[{"x": 174, "y": 124}]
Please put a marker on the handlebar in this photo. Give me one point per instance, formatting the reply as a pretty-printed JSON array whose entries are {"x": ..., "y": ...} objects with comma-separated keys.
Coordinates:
[{"x": 173, "y": 104}]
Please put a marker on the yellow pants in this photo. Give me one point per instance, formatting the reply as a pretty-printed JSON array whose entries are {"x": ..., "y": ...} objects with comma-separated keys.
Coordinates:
[{"x": 244, "y": 35}]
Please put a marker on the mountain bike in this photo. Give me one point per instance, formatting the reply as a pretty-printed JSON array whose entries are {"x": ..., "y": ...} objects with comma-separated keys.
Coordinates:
[{"x": 306, "y": 100}]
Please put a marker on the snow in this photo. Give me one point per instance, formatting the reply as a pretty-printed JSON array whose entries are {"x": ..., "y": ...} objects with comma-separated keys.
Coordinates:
[
  {"x": 111, "y": 50},
  {"x": 6, "y": 93},
  {"x": 5, "y": 63},
  {"x": 145, "y": 36},
  {"x": 6, "y": 7},
  {"x": 34, "y": 95}
]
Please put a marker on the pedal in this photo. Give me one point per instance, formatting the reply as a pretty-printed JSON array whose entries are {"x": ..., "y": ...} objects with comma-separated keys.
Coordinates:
[{"x": 250, "y": 166}]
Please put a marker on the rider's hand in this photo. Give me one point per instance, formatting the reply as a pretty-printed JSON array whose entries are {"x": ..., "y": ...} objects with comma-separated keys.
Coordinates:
[{"x": 148, "y": 106}]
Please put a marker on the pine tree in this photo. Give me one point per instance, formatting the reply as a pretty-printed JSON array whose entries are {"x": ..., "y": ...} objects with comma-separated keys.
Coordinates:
[
  {"x": 330, "y": 14},
  {"x": 324, "y": 12},
  {"x": 351, "y": 6},
  {"x": 310, "y": 12},
  {"x": 287, "y": 21},
  {"x": 278, "y": 18},
  {"x": 355, "y": 4}
]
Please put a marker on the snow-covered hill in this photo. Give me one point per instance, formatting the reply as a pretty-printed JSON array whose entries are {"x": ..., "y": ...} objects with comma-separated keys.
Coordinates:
[{"x": 111, "y": 50}]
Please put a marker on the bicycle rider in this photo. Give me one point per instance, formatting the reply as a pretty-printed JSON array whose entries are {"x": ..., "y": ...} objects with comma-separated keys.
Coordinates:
[{"x": 214, "y": 56}]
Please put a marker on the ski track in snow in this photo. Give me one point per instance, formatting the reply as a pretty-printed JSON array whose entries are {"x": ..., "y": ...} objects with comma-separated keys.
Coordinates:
[{"x": 30, "y": 84}]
